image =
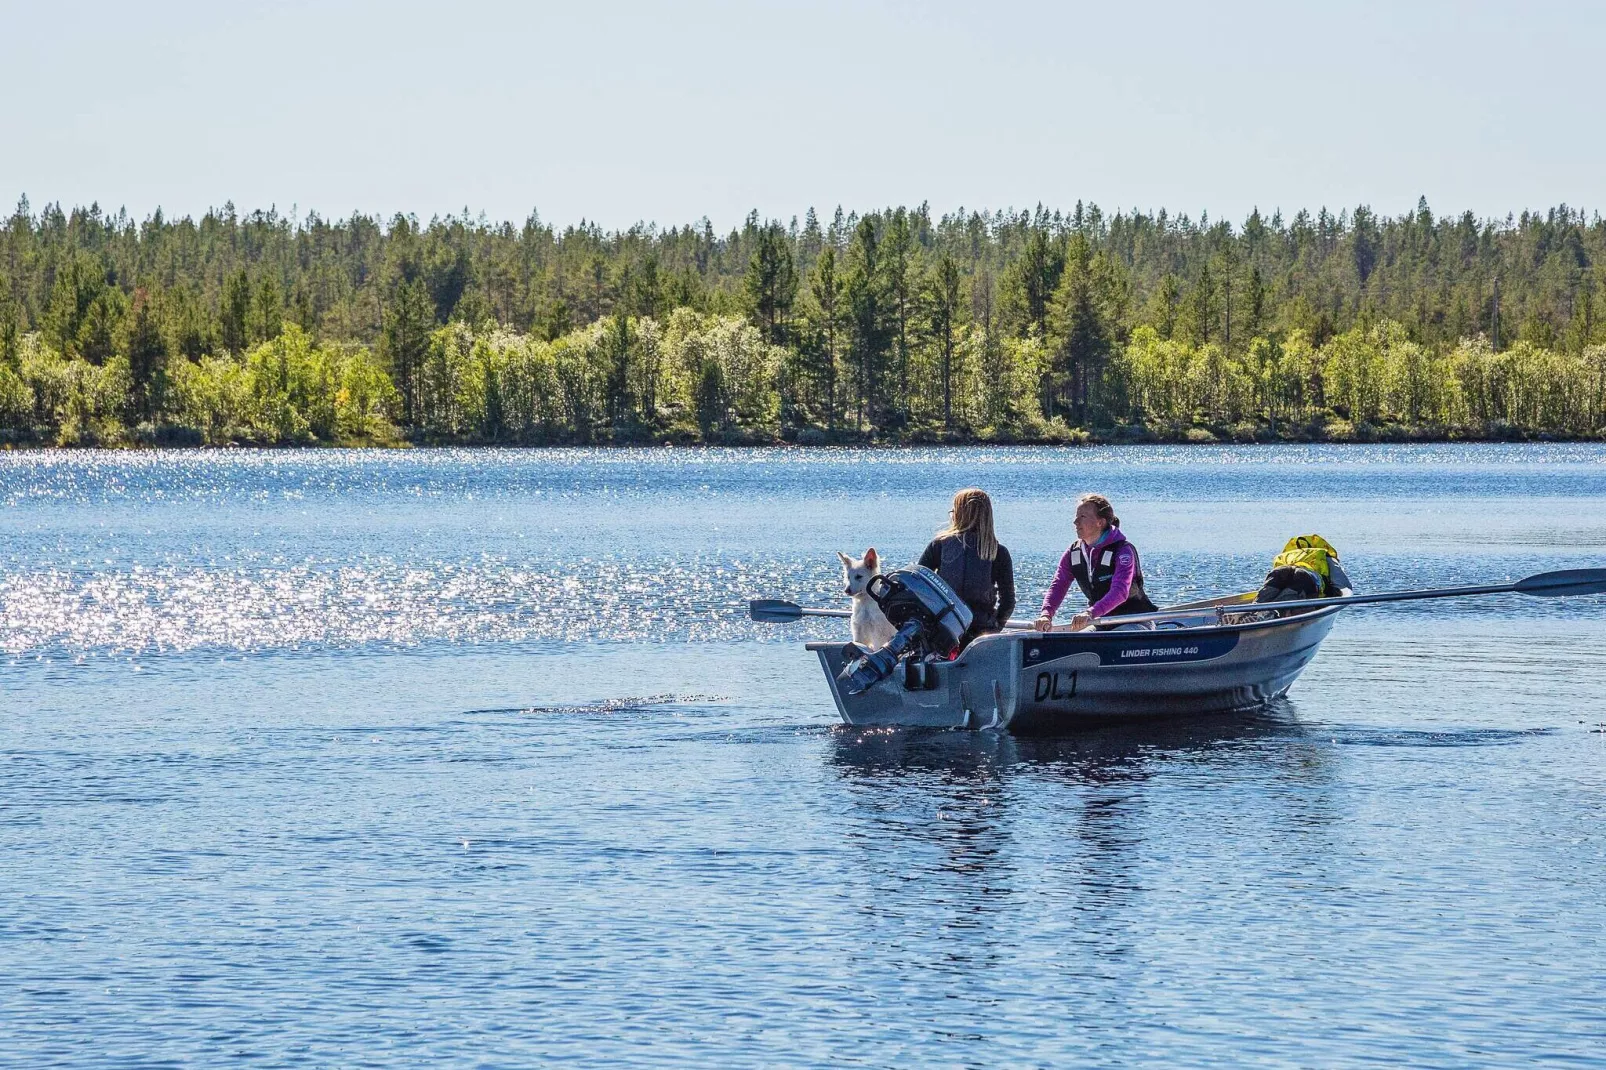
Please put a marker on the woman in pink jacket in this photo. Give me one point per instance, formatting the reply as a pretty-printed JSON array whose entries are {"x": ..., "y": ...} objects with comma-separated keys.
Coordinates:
[{"x": 1103, "y": 564}]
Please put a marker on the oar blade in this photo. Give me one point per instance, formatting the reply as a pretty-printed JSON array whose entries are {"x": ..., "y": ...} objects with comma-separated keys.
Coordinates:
[
  {"x": 1568, "y": 581},
  {"x": 774, "y": 610}
]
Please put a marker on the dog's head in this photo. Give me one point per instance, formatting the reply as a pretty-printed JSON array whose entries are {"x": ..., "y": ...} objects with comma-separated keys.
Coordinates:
[{"x": 856, "y": 571}]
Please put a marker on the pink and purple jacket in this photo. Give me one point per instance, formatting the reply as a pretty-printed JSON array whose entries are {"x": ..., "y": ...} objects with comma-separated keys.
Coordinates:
[{"x": 1126, "y": 560}]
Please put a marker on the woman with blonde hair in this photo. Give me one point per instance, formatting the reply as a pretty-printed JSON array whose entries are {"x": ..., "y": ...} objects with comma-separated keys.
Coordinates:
[
  {"x": 1102, "y": 563},
  {"x": 971, "y": 560}
]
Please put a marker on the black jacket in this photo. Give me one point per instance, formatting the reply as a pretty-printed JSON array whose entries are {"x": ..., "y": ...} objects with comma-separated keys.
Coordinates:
[{"x": 988, "y": 588}]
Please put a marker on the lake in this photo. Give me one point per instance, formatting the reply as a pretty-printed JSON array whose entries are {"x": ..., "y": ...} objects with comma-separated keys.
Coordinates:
[{"x": 471, "y": 758}]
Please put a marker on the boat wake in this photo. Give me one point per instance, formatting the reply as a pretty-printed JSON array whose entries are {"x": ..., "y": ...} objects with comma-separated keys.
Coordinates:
[
  {"x": 611, "y": 706},
  {"x": 1468, "y": 737}
]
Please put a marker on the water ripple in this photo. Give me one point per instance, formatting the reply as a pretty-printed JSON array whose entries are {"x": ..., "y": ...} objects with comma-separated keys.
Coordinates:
[
  {"x": 470, "y": 759},
  {"x": 180, "y": 609}
]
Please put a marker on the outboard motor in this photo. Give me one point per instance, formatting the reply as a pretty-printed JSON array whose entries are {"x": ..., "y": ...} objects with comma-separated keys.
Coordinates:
[{"x": 929, "y": 617}]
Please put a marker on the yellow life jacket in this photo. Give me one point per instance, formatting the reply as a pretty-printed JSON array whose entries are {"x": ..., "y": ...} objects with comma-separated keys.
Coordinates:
[{"x": 1309, "y": 552}]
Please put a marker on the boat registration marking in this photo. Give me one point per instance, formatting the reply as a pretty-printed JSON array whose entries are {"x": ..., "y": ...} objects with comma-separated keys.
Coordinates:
[{"x": 1058, "y": 686}]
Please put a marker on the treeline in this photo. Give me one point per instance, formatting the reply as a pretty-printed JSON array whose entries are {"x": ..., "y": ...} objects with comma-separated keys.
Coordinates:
[{"x": 890, "y": 326}]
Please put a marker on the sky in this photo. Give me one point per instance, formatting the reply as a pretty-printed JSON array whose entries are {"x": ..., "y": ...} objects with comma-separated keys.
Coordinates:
[{"x": 626, "y": 111}]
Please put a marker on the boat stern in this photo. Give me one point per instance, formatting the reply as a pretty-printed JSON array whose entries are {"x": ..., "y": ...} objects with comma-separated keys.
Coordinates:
[{"x": 975, "y": 691}]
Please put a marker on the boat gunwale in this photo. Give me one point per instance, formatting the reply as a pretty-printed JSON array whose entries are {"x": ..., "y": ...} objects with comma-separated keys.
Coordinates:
[{"x": 1128, "y": 634}]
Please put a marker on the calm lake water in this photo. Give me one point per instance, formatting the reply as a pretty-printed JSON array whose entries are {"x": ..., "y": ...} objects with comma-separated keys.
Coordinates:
[{"x": 470, "y": 758}]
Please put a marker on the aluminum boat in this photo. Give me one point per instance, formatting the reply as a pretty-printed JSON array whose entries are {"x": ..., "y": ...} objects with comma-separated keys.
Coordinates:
[{"x": 1194, "y": 660}]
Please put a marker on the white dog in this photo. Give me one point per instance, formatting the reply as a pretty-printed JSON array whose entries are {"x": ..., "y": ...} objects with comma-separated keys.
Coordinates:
[{"x": 871, "y": 629}]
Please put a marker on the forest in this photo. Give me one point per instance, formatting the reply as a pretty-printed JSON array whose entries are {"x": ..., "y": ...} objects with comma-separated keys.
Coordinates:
[{"x": 886, "y": 327}]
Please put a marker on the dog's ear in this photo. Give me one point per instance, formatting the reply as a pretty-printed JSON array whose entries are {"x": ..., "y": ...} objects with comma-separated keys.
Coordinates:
[
  {"x": 844, "y": 558},
  {"x": 870, "y": 559}
]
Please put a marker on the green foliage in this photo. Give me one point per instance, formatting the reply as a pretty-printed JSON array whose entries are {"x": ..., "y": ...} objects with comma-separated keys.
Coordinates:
[
  {"x": 234, "y": 313},
  {"x": 147, "y": 359},
  {"x": 890, "y": 325},
  {"x": 1086, "y": 314},
  {"x": 1030, "y": 281},
  {"x": 1528, "y": 388},
  {"x": 266, "y": 318},
  {"x": 748, "y": 369},
  {"x": 74, "y": 401},
  {"x": 771, "y": 283},
  {"x": 941, "y": 297},
  {"x": 213, "y": 396},
  {"x": 406, "y": 342},
  {"x": 869, "y": 336},
  {"x": 822, "y": 344},
  {"x": 711, "y": 398},
  {"x": 10, "y": 327},
  {"x": 292, "y": 387},
  {"x": 78, "y": 282}
]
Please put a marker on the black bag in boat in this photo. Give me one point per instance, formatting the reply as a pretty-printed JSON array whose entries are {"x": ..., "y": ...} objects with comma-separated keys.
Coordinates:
[{"x": 929, "y": 617}]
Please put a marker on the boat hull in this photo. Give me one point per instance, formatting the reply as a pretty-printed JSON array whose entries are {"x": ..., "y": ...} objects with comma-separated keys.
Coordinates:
[{"x": 1057, "y": 681}]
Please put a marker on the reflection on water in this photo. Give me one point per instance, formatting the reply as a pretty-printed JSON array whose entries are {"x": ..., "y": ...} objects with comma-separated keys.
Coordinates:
[
  {"x": 978, "y": 827},
  {"x": 231, "y": 551},
  {"x": 470, "y": 759},
  {"x": 1100, "y": 755}
]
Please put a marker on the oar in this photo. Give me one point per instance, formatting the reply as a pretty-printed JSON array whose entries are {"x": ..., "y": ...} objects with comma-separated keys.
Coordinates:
[
  {"x": 780, "y": 611},
  {"x": 1561, "y": 584}
]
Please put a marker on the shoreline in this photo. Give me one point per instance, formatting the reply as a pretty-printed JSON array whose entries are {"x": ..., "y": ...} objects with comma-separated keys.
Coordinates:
[{"x": 1195, "y": 437}]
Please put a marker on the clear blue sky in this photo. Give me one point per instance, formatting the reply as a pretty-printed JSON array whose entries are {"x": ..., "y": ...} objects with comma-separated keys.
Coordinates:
[{"x": 625, "y": 110}]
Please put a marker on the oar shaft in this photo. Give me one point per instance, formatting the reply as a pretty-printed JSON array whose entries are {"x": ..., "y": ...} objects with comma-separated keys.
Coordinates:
[
  {"x": 1412, "y": 596},
  {"x": 779, "y": 611},
  {"x": 1578, "y": 581},
  {"x": 1014, "y": 625},
  {"x": 1308, "y": 603}
]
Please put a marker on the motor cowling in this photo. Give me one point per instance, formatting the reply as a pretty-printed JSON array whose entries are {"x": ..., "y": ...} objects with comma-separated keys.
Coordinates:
[
  {"x": 920, "y": 595},
  {"x": 929, "y": 617}
]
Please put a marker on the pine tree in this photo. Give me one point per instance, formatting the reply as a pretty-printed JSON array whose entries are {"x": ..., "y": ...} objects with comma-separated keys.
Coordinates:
[
  {"x": 1255, "y": 300},
  {"x": 188, "y": 328},
  {"x": 234, "y": 313},
  {"x": 869, "y": 339},
  {"x": 825, "y": 287},
  {"x": 1083, "y": 335},
  {"x": 770, "y": 284},
  {"x": 1199, "y": 310},
  {"x": 1365, "y": 240},
  {"x": 79, "y": 283},
  {"x": 147, "y": 359},
  {"x": 1166, "y": 305},
  {"x": 896, "y": 253},
  {"x": 1281, "y": 296},
  {"x": 619, "y": 341},
  {"x": 267, "y": 312},
  {"x": 1226, "y": 270},
  {"x": 811, "y": 242},
  {"x": 450, "y": 271},
  {"x": 1039, "y": 269},
  {"x": 942, "y": 303},
  {"x": 10, "y": 327},
  {"x": 408, "y": 323},
  {"x": 97, "y": 335},
  {"x": 646, "y": 295}
]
